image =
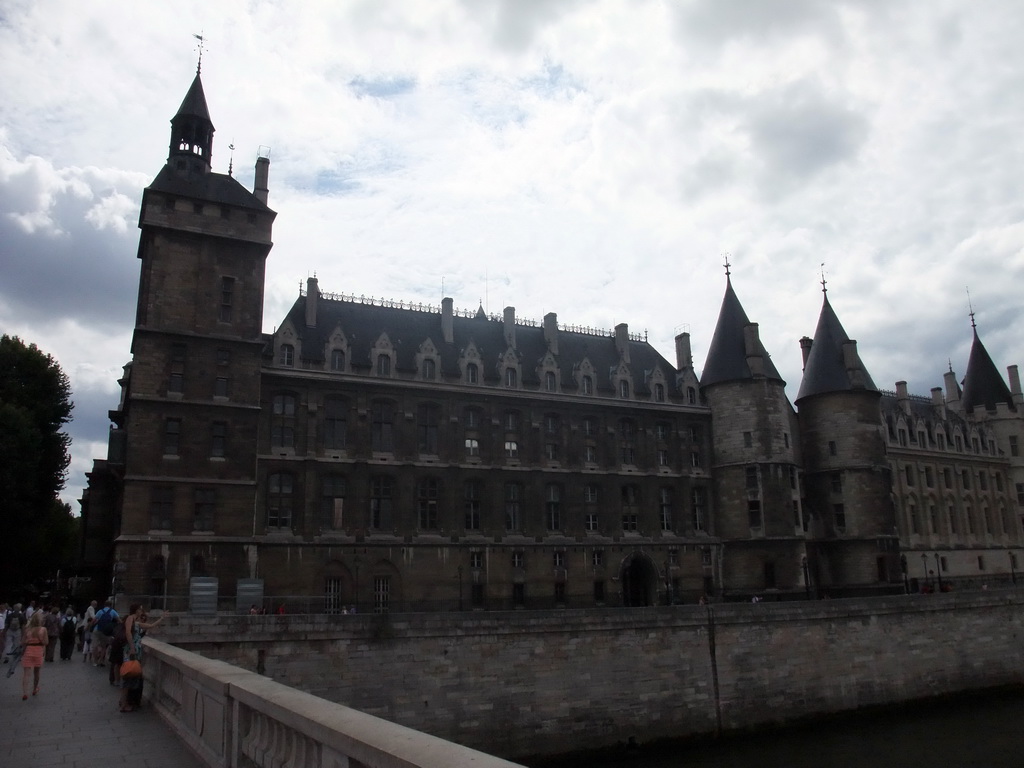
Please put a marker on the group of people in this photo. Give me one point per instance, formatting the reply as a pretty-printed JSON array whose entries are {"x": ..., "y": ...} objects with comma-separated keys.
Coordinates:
[{"x": 30, "y": 637}]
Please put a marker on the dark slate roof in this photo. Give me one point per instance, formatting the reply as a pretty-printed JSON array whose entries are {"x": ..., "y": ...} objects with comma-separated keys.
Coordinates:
[
  {"x": 194, "y": 103},
  {"x": 215, "y": 187},
  {"x": 362, "y": 324},
  {"x": 922, "y": 411},
  {"x": 825, "y": 370},
  {"x": 983, "y": 385},
  {"x": 727, "y": 356}
]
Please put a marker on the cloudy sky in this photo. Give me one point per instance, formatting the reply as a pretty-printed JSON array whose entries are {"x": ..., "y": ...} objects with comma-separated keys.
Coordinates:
[{"x": 586, "y": 157}]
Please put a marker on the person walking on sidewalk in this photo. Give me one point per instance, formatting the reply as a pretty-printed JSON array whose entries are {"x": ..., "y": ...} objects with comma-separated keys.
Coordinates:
[
  {"x": 34, "y": 639},
  {"x": 68, "y": 625},
  {"x": 51, "y": 621}
]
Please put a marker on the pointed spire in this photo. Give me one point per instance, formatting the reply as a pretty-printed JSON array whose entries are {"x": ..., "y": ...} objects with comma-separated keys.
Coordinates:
[
  {"x": 983, "y": 385},
  {"x": 833, "y": 364},
  {"x": 191, "y": 147},
  {"x": 735, "y": 345}
]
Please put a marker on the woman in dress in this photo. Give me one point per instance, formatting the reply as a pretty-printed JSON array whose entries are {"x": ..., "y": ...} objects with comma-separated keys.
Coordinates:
[
  {"x": 34, "y": 640},
  {"x": 135, "y": 626}
]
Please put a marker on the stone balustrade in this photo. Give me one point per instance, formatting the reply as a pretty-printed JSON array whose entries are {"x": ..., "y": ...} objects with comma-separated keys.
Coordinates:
[{"x": 232, "y": 718}]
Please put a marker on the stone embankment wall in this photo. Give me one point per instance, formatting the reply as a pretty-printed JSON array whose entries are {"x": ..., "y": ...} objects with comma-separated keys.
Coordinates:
[{"x": 521, "y": 683}]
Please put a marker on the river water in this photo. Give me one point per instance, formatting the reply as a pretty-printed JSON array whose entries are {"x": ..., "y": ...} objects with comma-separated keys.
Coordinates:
[{"x": 973, "y": 731}]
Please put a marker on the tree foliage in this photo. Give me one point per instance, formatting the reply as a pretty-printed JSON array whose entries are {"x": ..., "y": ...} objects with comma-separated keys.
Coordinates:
[{"x": 38, "y": 529}]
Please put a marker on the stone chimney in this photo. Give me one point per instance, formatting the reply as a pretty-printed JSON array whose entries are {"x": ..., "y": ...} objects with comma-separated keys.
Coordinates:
[
  {"x": 805, "y": 349},
  {"x": 903, "y": 397},
  {"x": 312, "y": 297},
  {"x": 260, "y": 190},
  {"x": 854, "y": 367},
  {"x": 622, "y": 341},
  {"x": 938, "y": 403},
  {"x": 684, "y": 357},
  {"x": 551, "y": 332},
  {"x": 952, "y": 391},
  {"x": 447, "y": 323},
  {"x": 752, "y": 349},
  {"x": 1015, "y": 392},
  {"x": 510, "y": 326}
]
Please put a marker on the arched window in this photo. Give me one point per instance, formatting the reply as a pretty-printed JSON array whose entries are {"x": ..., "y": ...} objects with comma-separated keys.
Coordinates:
[
  {"x": 472, "y": 373},
  {"x": 287, "y": 355},
  {"x": 691, "y": 395},
  {"x": 511, "y": 378},
  {"x": 383, "y": 365},
  {"x": 429, "y": 369},
  {"x": 337, "y": 360},
  {"x": 659, "y": 393},
  {"x": 587, "y": 385},
  {"x": 550, "y": 381},
  {"x": 624, "y": 389}
]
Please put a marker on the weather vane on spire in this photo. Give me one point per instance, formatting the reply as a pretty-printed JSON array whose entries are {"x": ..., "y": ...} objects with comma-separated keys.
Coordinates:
[
  {"x": 726, "y": 264},
  {"x": 199, "y": 46},
  {"x": 231, "y": 162},
  {"x": 824, "y": 289},
  {"x": 970, "y": 306}
]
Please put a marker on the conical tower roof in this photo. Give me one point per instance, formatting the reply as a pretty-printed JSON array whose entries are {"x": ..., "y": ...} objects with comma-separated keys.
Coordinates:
[
  {"x": 983, "y": 385},
  {"x": 827, "y": 368},
  {"x": 727, "y": 357},
  {"x": 194, "y": 103}
]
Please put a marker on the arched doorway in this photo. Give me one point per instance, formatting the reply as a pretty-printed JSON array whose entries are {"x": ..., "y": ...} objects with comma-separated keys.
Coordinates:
[{"x": 639, "y": 581}]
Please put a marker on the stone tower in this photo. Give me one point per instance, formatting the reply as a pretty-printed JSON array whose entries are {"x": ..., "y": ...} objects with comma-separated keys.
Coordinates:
[
  {"x": 191, "y": 395},
  {"x": 854, "y": 546},
  {"x": 755, "y": 460}
]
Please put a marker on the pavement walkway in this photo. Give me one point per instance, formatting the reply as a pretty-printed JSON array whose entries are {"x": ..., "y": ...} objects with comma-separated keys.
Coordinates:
[{"x": 75, "y": 722}]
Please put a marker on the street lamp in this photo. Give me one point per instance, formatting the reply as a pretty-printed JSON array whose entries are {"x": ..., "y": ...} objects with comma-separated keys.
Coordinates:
[{"x": 938, "y": 571}]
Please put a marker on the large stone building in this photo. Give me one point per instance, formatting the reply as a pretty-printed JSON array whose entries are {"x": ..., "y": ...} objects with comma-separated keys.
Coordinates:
[{"x": 399, "y": 456}]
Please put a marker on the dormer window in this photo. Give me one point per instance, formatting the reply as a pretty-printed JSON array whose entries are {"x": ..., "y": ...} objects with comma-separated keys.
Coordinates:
[
  {"x": 659, "y": 393},
  {"x": 337, "y": 360},
  {"x": 587, "y": 385},
  {"x": 472, "y": 373},
  {"x": 383, "y": 365},
  {"x": 429, "y": 369},
  {"x": 624, "y": 389},
  {"x": 511, "y": 378},
  {"x": 550, "y": 382},
  {"x": 287, "y": 355}
]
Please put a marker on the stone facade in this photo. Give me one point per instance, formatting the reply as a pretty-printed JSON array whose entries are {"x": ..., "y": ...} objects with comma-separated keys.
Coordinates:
[
  {"x": 399, "y": 457},
  {"x": 549, "y": 682}
]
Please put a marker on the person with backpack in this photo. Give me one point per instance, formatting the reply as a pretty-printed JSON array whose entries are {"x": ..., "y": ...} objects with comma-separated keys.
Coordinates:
[
  {"x": 68, "y": 625},
  {"x": 103, "y": 630}
]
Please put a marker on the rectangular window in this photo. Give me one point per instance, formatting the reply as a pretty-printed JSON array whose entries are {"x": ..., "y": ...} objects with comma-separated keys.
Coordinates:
[
  {"x": 380, "y": 502},
  {"x": 282, "y": 427},
  {"x": 176, "y": 383},
  {"x": 335, "y": 424},
  {"x": 559, "y": 560},
  {"x": 792, "y": 478},
  {"x": 1014, "y": 448},
  {"x": 471, "y": 418},
  {"x": 279, "y": 500},
  {"x": 837, "y": 482},
  {"x": 589, "y": 427},
  {"x": 513, "y": 497},
  {"x": 662, "y": 457},
  {"x": 748, "y": 440},
  {"x": 590, "y": 454},
  {"x": 476, "y": 560},
  {"x": 511, "y": 449},
  {"x": 1020, "y": 494},
  {"x": 915, "y": 526},
  {"x": 933, "y": 516},
  {"x": 698, "y": 498},
  {"x": 382, "y": 415},
  {"x": 227, "y": 299},
  {"x": 630, "y": 521},
  {"x": 752, "y": 479},
  {"x": 205, "y": 505},
  {"x": 220, "y": 387},
  {"x": 559, "y": 593},
  {"x": 426, "y": 428},
  {"x": 332, "y": 503},
  {"x": 982, "y": 481},
  {"x": 161, "y": 508},
  {"x": 332, "y": 595},
  {"x": 839, "y": 513},
  {"x": 476, "y": 595},
  {"x": 754, "y": 512},
  {"x": 597, "y": 558},
  {"x": 172, "y": 436},
  {"x": 662, "y": 430},
  {"x": 381, "y": 594},
  {"x": 472, "y": 447},
  {"x": 551, "y": 451},
  {"x": 952, "y": 519},
  {"x": 695, "y": 459},
  {"x": 908, "y": 473},
  {"x": 427, "y": 500},
  {"x": 218, "y": 439},
  {"x": 947, "y": 478},
  {"x": 981, "y": 562},
  {"x": 665, "y": 508},
  {"x": 223, "y": 357},
  {"x": 965, "y": 478},
  {"x": 590, "y": 522},
  {"x": 553, "y": 507},
  {"x": 518, "y": 560},
  {"x": 929, "y": 477},
  {"x": 471, "y": 497}
]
